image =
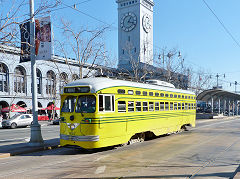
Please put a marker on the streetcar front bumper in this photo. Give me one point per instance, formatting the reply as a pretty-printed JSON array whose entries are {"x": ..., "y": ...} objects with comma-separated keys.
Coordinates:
[{"x": 92, "y": 138}]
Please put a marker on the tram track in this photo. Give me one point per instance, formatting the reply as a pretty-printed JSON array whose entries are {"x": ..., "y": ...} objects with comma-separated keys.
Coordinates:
[{"x": 212, "y": 160}]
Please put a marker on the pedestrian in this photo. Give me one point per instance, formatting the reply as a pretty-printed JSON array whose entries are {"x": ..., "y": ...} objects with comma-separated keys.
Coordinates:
[{"x": 49, "y": 116}]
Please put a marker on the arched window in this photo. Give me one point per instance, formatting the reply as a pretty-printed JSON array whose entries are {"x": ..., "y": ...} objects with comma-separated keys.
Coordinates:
[
  {"x": 39, "y": 81},
  {"x": 51, "y": 83},
  {"x": 63, "y": 80},
  {"x": 20, "y": 80},
  {"x": 4, "y": 75},
  {"x": 74, "y": 77}
]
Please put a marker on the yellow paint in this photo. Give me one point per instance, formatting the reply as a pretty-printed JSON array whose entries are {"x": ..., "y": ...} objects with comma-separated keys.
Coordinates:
[{"x": 116, "y": 128}]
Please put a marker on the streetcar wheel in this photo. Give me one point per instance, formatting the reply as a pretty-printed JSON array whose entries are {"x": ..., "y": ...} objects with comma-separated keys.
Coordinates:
[
  {"x": 141, "y": 137},
  {"x": 184, "y": 128}
]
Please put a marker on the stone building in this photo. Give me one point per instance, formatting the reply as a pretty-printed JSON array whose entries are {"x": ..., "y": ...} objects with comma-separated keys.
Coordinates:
[{"x": 15, "y": 78}]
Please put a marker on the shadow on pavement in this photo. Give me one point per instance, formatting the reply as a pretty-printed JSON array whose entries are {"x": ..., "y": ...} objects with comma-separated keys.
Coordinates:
[{"x": 23, "y": 148}]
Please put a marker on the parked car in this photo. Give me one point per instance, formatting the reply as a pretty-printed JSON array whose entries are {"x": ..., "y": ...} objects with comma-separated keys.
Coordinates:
[{"x": 18, "y": 120}]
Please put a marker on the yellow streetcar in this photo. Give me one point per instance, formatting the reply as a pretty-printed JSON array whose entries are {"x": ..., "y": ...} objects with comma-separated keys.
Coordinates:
[{"x": 100, "y": 112}]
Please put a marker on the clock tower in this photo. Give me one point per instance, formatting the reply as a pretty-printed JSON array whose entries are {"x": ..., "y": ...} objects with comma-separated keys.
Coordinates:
[{"x": 135, "y": 32}]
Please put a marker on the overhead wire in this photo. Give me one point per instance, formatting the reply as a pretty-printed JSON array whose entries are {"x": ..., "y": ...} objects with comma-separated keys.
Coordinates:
[
  {"x": 222, "y": 24},
  {"x": 99, "y": 20}
]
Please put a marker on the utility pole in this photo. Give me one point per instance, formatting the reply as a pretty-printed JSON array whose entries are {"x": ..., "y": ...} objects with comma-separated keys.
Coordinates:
[
  {"x": 236, "y": 86},
  {"x": 36, "y": 136},
  {"x": 217, "y": 79}
]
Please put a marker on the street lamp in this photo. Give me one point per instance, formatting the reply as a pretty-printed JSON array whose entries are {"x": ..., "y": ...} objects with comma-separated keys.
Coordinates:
[{"x": 36, "y": 136}]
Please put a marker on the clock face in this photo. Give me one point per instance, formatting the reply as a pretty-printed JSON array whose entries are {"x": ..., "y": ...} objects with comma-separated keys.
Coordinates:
[
  {"x": 147, "y": 23},
  {"x": 128, "y": 22}
]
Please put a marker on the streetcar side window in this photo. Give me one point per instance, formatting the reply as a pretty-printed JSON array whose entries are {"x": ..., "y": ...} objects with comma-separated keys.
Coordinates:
[
  {"x": 130, "y": 92},
  {"x": 182, "y": 106},
  {"x": 156, "y": 94},
  {"x": 113, "y": 103},
  {"x": 167, "y": 106},
  {"x": 151, "y": 106},
  {"x": 121, "y": 106},
  {"x": 175, "y": 106},
  {"x": 100, "y": 102},
  {"x": 145, "y": 106},
  {"x": 186, "y": 106},
  {"x": 179, "y": 96},
  {"x": 150, "y": 93},
  {"x": 130, "y": 106},
  {"x": 138, "y": 92},
  {"x": 189, "y": 105},
  {"x": 121, "y": 91},
  {"x": 162, "y": 106},
  {"x": 138, "y": 106},
  {"x": 162, "y": 94},
  {"x": 144, "y": 93},
  {"x": 179, "y": 106},
  {"x": 171, "y": 106},
  {"x": 166, "y": 95},
  {"x": 156, "y": 106},
  {"x": 106, "y": 103}
]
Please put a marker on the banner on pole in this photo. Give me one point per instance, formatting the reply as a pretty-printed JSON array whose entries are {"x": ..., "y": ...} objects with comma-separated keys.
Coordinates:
[
  {"x": 43, "y": 39},
  {"x": 25, "y": 42}
]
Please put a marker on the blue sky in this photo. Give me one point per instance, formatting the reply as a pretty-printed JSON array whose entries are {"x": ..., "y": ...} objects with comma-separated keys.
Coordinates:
[{"x": 187, "y": 25}]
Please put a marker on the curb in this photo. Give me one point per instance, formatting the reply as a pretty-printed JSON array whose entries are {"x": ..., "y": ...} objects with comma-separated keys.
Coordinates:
[
  {"x": 5, "y": 155},
  {"x": 216, "y": 119}
]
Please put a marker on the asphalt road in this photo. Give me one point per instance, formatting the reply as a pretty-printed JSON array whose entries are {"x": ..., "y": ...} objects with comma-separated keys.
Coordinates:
[
  {"x": 13, "y": 136},
  {"x": 211, "y": 150}
]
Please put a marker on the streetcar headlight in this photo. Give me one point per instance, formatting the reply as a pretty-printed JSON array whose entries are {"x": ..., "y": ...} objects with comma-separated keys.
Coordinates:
[{"x": 72, "y": 126}]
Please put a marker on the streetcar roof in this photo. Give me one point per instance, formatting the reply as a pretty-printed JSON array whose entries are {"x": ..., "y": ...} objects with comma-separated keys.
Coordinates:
[{"x": 99, "y": 83}]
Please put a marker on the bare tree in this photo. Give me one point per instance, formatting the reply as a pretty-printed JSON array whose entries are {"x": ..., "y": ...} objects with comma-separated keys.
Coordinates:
[
  {"x": 86, "y": 46},
  {"x": 170, "y": 63},
  {"x": 12, "y": 16},
  {"x": 200, "y": 81},
  {"x": 137, "y": 70}
]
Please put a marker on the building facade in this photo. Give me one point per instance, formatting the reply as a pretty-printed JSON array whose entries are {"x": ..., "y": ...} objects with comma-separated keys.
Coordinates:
[{"x": 15, "y": 78}]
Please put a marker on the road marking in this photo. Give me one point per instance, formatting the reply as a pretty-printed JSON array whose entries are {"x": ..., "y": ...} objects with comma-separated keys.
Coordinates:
[
  {"x": 100, "y": 169},
  {"x": 99, "y": 158}
]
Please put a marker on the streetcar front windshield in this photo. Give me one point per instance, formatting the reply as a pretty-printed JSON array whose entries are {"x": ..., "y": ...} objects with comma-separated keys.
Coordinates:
[
  {"x": 86, "y": 104},
  {"x": 69, "y": 104}
]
